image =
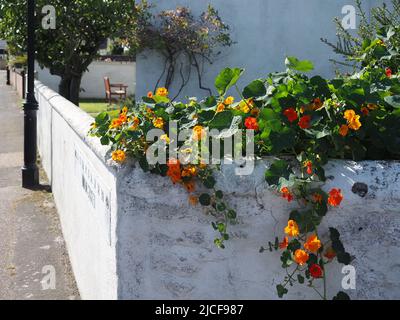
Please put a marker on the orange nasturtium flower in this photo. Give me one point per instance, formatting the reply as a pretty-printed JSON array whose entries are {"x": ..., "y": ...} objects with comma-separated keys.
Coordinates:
[
  {"x": 349, "y": 114},
  {"x": 229, "y": 100},
  {"x": 174, "y": 170},
  {"x": 313, "y": 244},
  {"x": 372, "y": 106},
  {"x": 286, "y": 194},
  {"x": 158, "y": 123},
  {"x": 255, "y": 112},
  {"x": 291, "y": 114},
  {"x": 115, "y": 123},
  {"x": 335, "y": 197},
  {"x": 301, "y": 257},
  {"x": 284, "y": 244},
  {"x": 162, "y": 92},
  {"x": 309, "y": 166},
  {"x": 150, "y": 95},
  {"x": 353, "y": 120},
  {"x": 344, "y": 130},
  {"x": 388, "y": 72},
  {"x": 123, "y": 117},
  {"x": 220, "y": 108},
  {"x": 190, "y": 171},
  {"x": 135, "y": 125},
  {"x": 292, "y": 229},
  {"x": 317, "y": 104},
  {"x": 251, "y": 124},
  {"x": 365, "y": 111},
  {"x": 355, "y": 123},
  {"x": 304, "y": 122},
  {"x": 198, "y": 133},
  {"x": 118, "y": 156}
]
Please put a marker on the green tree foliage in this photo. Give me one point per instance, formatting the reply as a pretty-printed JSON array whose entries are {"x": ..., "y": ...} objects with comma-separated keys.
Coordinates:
[
  {"x": 360, "y": 49},
  {"x": 67, "y": 50}
]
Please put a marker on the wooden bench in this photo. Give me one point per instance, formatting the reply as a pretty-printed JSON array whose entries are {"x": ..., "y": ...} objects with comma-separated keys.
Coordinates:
[{"x": 111, "y": 91}]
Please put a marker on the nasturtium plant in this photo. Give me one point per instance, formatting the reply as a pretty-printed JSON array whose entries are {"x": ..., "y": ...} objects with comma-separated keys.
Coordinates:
[{"x": 299, "y": 121}]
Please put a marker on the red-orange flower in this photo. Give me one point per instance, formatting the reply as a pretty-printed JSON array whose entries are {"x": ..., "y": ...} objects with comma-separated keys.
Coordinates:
[
  {"x": 388, "y": 72},
  {"x": 335, "y": 197},
  {"x": 365, "y": 111},
  {"x": 316, "y": 271},
  {"x": 284, "y": 244},
  {"x": 251, "y": 123},
  {"x": 304, "y": 122},
  {"x": 150, "y": 95},
  {"x": 309, "y": 166},
  {"x": 344, "y": 130},
  {"x": 286, "y": 194},
  {"x": 174, "y": 170},
  {"x": 291, "y": 114},
  {"x": 123, "y": 117},
  {"x": 317, "y": 104}
]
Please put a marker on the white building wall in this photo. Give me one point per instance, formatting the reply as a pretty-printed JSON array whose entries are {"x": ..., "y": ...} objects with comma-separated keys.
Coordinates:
[{"x": 265, "y": 31}]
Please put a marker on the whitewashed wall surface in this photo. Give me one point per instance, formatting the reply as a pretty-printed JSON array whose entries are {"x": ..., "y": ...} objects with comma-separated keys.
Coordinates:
[
  {"x": 132, "y": 235},
  {"x": 265, "y": 31},
  {"x": 92, "y": 81}
]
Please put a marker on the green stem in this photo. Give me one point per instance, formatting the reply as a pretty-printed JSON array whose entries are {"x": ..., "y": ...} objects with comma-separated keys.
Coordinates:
[
  {"x": 241, "y": 96},
  {"x": 290, "y": 276}
]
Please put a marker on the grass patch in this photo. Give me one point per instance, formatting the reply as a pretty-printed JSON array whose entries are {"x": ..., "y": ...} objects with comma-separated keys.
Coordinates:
[{"x": 94, "y": 107}]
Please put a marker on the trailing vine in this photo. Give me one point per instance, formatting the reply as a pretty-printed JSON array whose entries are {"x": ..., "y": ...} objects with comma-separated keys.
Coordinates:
[
  {"x": 184, "y": 41},
  {"x": 299, "y": 120}
]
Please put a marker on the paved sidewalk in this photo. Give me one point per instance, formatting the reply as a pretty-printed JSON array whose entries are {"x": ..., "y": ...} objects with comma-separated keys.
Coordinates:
[{"x": 31, "y": 241}]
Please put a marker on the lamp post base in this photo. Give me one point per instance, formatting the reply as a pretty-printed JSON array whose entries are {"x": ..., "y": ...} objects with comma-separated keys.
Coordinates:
[{"x": 30, "y": 177}]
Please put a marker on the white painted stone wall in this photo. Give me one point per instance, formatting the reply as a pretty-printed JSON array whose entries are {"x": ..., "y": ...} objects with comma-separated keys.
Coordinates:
[
  {"x": 152, "y": 244},
  {"x": 265, "y": 31},
  {"x": 84, "y": 190},
  {"x": 92, "y": 80}
]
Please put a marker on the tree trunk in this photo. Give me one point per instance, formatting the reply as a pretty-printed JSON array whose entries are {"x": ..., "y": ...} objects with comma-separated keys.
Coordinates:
[
  {"x": 74, "y": 90},
  {"x": 63, "y": 87},
  {"x": 70, "y": 87}
]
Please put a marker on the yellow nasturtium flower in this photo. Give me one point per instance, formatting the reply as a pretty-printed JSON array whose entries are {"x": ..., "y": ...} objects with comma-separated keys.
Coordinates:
[
  {"x": 353, "y": 120},
  {"x": 228, "y": 101},
  {"x": 158, "y": 123},
  {"x": 162, "y": 92},
  {"x": 118, "y": 156},
  {"x": 292, "y": 229}
]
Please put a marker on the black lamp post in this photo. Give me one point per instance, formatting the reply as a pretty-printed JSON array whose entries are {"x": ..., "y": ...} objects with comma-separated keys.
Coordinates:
[{"x": 30, "y": 172}]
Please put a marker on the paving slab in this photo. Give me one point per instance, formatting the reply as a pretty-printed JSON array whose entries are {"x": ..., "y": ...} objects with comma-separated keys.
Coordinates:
[{"x": 34, "y": 262}]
